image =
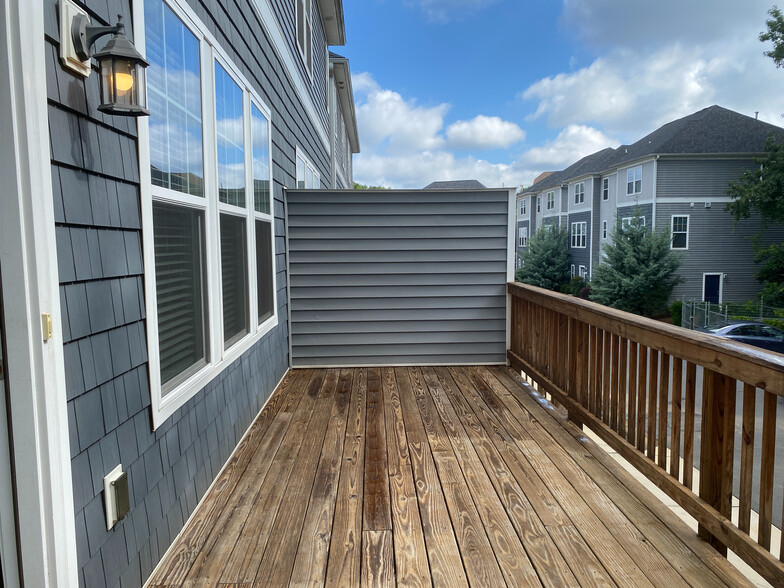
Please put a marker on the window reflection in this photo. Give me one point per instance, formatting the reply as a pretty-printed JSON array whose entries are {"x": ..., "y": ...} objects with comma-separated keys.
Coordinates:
[
  {"x": 231, "y": 151},
  {"x": 261, "y": 169}
]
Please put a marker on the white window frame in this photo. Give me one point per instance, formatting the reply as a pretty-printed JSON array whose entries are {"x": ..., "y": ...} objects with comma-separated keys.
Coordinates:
[
  {"x": 578, "y": 235},
  {"x": 627, "y": 221},
  {"x": 539, "y": 203},
  {"x": 579, "y": 193},
  {"x": 523, "y": 207},
  {"x": 550, "y": 203},
  {"x": 605, "y": 189},
  {"x": 634, "y": 180},
  {"x": 604, "y": 229},
  {"x": 218, "y": 356},
  {"x": 522, "y": 235},
  {"x": 582, "y": 271},
  {"x": 307, "y": 40},
  {"x": 308, "y": 167},
  {"x": 672, "y": 233},
  {"x": 574, "y": 271}
]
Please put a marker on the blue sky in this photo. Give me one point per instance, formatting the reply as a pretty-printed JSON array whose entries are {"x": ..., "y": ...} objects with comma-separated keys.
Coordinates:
[{"x": 501, "y": 90}]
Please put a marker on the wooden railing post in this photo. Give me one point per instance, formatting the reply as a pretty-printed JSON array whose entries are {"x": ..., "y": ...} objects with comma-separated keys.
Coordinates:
[{"x": 717, "y": 445}]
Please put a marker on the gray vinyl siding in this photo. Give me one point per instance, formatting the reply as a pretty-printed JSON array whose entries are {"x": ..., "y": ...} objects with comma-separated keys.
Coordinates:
[
  {"x": 95, "y": 179},
  {"x": 717, "y": 245},
  {"x": 646, "y": 211},
  {"x": 698, "y": 178},
  {"x": 581, "y": 256},
  {"x": 647, "y": 183},
  {"x": 522, "y": 224},
  {"x": 596, "y": 225},
  {"x": 398, "y": 277}
]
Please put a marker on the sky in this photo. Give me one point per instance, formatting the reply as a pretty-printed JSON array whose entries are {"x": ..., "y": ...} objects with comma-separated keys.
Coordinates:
[{"x": 502, "y": 90}]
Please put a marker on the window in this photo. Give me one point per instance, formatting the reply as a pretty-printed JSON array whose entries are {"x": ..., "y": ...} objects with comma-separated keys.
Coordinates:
[
  {"x": 634, "y": 180},
  {"x": 523, "y": 236},
  {"x": 207, "y": 278},
  {"x": 680, "y": 232},
  {"x": 574, "y": 271},
  {"x": 579, "y": 193},
  {"x": 604, "y": 229},
  {"x": 579, "y": 235},
  {"x": 605, "y": 188},
  {"x": 305, "y": 33},
  {"x": 538, "y": 204},
  {"x": 628, "y": 221},
  {"x": 307, "y": 176},
  {"x": 550, "y": 200},
  {"x": 524, "y": 206},
  {"x": 583, "y": 272}
]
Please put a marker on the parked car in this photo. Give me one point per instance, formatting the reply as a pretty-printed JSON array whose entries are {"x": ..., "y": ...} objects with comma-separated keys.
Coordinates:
[{"x": 757, "y": 334}]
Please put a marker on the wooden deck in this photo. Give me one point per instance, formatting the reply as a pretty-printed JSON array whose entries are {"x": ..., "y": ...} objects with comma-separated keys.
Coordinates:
[{"x": 420, "y": 476}]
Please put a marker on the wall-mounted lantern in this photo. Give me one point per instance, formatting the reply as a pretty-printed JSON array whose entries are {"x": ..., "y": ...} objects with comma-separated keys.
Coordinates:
[{"x": 123, "y": 82}]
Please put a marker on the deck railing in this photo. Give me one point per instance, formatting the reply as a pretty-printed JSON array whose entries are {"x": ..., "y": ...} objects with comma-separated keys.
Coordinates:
[{"x": 637, "y": 382}]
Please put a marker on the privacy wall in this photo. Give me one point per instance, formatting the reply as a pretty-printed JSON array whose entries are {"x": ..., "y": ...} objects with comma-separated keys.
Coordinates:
[{"x": 387, "y": 277}]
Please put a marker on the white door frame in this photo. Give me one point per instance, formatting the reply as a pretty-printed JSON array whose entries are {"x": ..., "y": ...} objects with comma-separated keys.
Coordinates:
[
  {"x": 721, "y": 284},
  {"x": 38, "y": 414}
]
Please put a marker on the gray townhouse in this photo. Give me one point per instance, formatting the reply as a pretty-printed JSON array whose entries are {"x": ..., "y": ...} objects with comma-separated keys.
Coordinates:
[
  {"x": 143, "y": 258},
  {"x": 677, "y": 177}
]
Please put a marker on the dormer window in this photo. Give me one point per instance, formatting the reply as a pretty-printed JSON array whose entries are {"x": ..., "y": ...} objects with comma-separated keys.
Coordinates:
[{"x": 305, "y": 33}]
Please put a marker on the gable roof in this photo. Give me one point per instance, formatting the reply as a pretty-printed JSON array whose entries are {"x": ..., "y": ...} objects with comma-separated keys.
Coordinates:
[
  {"x": 712, "y": 130},
  {"x": 456, "y": 185}
]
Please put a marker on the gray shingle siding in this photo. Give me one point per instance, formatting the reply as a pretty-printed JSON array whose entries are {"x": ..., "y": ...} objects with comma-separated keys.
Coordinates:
[
  {"x": 580, "y": 256},
  {"x": 698, "y": 178},
  {"x": 95, "y": 177},
  {"x": 717, "y": 245},
  {"x": 395, "y": 277},
  {"x": 645, "y": 210}
]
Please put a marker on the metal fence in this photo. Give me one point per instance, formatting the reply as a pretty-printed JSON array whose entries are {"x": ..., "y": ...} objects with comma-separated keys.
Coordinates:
[{"x": 706, "y": 315}]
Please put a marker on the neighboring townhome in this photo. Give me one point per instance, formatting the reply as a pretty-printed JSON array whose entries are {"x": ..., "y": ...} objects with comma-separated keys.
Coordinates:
[
  {"x": 676, "y": 178},
  {"x": 143, "y": 276}
]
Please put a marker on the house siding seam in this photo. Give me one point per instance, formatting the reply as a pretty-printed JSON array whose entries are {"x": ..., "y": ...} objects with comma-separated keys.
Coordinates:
[
  {"x": 96, "y": 192},
  {"x": 393, "y": 277}
]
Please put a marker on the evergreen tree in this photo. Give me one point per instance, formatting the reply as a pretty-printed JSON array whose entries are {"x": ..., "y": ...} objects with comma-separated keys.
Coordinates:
[
  {"x": 546, "y": 263},
  {"x": 638, "y": 272}
]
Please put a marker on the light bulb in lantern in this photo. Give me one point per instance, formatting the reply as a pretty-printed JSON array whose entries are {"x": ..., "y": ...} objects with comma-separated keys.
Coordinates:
[{"x": 123, "y": 81}]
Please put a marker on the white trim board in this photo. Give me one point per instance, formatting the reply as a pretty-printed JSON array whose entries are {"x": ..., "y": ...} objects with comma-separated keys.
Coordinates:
[
  {"x": 721, "y": 284},
  {"x": 47, "y": 535}
]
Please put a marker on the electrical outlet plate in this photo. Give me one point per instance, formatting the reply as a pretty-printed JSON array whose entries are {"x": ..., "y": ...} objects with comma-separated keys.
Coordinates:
[
  {"x": 110, "y": 496},
  {"x": 68, "y": 9}
]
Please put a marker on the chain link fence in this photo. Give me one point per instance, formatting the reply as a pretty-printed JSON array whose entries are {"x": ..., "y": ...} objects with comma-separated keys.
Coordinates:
[{"x": 707, "y": 315}]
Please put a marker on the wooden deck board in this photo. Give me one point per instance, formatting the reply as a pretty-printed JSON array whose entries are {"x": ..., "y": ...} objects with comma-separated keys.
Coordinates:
[{"x": 428, "y": 476}]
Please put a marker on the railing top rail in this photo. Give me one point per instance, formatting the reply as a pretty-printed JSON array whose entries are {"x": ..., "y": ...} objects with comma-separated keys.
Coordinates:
[{"x": 749, "y": 364}]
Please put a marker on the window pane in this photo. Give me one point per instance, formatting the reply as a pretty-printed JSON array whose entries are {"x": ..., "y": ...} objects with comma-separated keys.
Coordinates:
[
  {"x": 264, "y": 270},
  {"x": 174, "y": 100},
  {"x": 309, "y": 179},
  {"x": 179, "y": 280},
  {"x": 300, "y": 173},
  {"x": 679, "y": 241},
  {"x": 301, "y": 25},
  {"x": 261, "y": 168},
  {"x": 229, "y": 129},
  {"x": 234, "y": 277}
]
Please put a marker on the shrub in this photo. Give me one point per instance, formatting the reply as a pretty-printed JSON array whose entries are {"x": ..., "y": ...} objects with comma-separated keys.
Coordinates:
[{"x": 676, "y": 311}]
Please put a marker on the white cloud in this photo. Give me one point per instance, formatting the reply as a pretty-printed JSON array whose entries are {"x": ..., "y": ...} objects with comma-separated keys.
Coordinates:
[
  {"x": 484, "y": 132},
  {"x": 630, "y": 93},
  {"x": 444, "y": 11}
]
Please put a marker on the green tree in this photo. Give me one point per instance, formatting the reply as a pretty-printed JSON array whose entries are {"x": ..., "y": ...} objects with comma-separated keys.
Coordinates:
[
  {"x": 364, "y": 187},
  {"x": 760, "y": 189},
  {"x": 546, "y": 263},
  {"x": 775, "y": 33},
  {"x": 638, "y": 272}
]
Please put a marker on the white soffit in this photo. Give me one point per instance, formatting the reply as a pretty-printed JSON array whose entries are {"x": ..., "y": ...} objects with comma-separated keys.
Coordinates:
[
  {"x": 342, "y": 75},
  {"x": 332, "y": 16}
]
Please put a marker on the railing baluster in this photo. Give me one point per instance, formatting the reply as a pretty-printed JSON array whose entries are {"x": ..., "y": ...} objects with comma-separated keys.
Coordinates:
[
  {"x": 632, "y": 428},
  {"x": 642, "y": 367},
  {"x": 653, "y": 399},
  {"x": 766, "y": 469},
  {"x": 675, "y": 426},
  {"x": 606, "y": 379},
  {"x": 747, "y": 456},
  {"x": 622, "y": 350},
  {"x": 716, "y": 448},
  {"x": 664, "y": 399},
  {"x": 688, "y": 426},
  {"x": 596, "y": 401}
]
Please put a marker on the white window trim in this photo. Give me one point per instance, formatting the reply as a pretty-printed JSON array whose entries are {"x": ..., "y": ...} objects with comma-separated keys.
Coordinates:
[
  {"x": 522, "y": 234},
  {"x": 627, "y": 221},
  {"x": 309, "y": 42},
  {"x": 604, "y": 230},
  {"x": 550, "y": 201},
  {"x": 605, "y": 189},
  {"x": 579, "y": 237},
  {"x": 582, "y": 271},
  {"x": 579, "y": 193},
  {"x": 300, "y": 154},
  {"x": 218, "y": 357},
  {"x": 634, "y": 180},
  {"x": 539, "y": 203},
  {"x": 574, "y": 271},
  {"x": 523, "y": 207},
  {"x": 688, "y": 230}
]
